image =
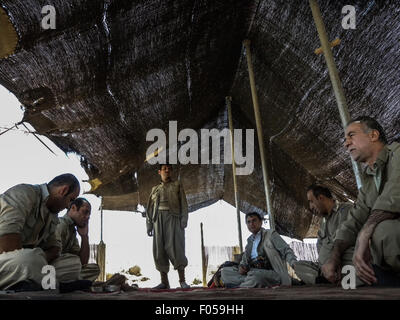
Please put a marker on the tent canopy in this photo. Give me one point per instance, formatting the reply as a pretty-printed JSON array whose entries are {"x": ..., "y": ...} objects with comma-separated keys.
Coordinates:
[{"x": 112, "y": 70}]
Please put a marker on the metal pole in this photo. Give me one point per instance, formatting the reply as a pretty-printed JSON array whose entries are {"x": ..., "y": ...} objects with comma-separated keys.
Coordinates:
[
  {"x": 228, "y": 103},
  {"x": 259, "y": 135},
  {"x": 334, "y": 76}
]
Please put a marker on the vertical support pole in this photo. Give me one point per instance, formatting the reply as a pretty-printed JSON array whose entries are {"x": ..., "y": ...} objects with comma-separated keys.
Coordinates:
[
  {"x": 101, "y": 249},
  {"x": 101, "y": 221},
  {"x": 203, "y": 257},
  {"x": 235, "y": 189},
  {"x": 334, "y": 76},
  {"x": 259, "y": 134}
]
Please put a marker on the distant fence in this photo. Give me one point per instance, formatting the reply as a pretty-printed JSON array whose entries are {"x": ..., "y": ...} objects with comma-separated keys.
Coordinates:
[{"x": 304, "y": 251}]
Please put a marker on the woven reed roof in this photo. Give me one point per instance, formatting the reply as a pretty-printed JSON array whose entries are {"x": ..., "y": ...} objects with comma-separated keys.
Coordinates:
[{"x": 112, "y": 70}]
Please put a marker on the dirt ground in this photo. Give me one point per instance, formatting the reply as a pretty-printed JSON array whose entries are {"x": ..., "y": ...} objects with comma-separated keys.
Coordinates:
[{"x": 319, "y": 292}]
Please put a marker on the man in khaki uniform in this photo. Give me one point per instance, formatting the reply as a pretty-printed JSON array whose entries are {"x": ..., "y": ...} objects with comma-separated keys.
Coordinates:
[
  {"x": 166, "y": 220},
  {"x": 28, "y": 220},
  {"x": 333, "y": 214},
  {"x": 373, "y": 224},
  {"x": 263, "y": 263},
  {"x": 77, "y": 257}
]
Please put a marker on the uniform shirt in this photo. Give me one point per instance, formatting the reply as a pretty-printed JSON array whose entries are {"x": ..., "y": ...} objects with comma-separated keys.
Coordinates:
[
  {"x": 376, "y": 173},
  {"x": 278, "y": 244},
  {"x": 163, "y": 196},
  {"x": 256, "y": 242},
  {"x": 328, "y": 228},
  {"x": 66, "y": 233},
  {"x": 176, "y": 197},
  {"x": 23, "y": 211},
  {"x": 386, "y": 197}
]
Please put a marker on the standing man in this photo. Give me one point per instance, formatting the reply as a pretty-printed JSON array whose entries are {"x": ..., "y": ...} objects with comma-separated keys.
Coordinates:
[
  {"x": 28, "y": 220},
  {"x": 76, "y": 257},
  {"x": 264, "y": 260},
  {"x": 166, "y": 220},
  {"x": 333, "y": 214},
  {"x": 373, "y": 224}
]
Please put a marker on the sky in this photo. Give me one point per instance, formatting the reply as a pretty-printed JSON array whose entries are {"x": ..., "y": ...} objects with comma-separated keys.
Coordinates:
[{"x": 25, "y": 160}]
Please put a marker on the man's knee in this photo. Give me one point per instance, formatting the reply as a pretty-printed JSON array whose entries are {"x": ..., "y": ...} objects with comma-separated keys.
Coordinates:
[
  {"x": 387, "y": 231},
  {"x": 32, "y": 258},
  {"x": 68, "y": 267}
]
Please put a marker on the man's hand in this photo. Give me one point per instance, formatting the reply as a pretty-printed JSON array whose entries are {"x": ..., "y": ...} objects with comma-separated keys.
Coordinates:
[
  {"x": 52, "y": 253},
  {"x": 362, "y": 260},
  {"x": 331, "y": 270},
  {"x": 243, "y": 270},
  {"x": 84, "y": 231},
  {"x": 10, "y": 242},
  {"x": 183, "y": 224}
]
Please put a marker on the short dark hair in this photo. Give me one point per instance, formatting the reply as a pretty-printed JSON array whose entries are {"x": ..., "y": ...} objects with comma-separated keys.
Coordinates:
[
  {"x": 78, "y": 202},
  {"x": 369, "y": 124},
  {"x": 317, "y": 190},
  {"x": 164, "y": 164},
  {"x": 251, "y": 214},
  {"x": 65, "y": 179}
]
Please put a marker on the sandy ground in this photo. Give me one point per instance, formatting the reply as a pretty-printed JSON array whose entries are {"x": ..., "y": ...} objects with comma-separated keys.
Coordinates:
[{"x": 319, "y": 292}]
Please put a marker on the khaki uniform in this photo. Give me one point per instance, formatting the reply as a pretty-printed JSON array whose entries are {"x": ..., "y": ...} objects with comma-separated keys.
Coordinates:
[
  {"x": 23, "y": 211},
  {"x": 167, "y": 211},
  {"x": 380, "y": 191},
  {"x": 275, "y": 252},
  {"x": 66, "y": 233},
  {"x": 309, "y": 271}
]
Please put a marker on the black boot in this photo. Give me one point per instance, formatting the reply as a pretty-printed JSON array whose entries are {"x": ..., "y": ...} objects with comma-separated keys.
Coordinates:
[
  {"x": 164, "y": 281},
  {"x": 182, "y": 281},
  {"x": 385, "y": 278},
  {"x": 26, "y": 285}
]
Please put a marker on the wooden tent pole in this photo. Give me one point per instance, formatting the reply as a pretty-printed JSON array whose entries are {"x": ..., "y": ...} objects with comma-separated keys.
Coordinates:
[
  {"x": 203, "y": 257},
  {"x": 259, "y": 135},
  {"x": 101, "y": 249},
  {"x": 235, "y": 189},
  {"x": 334, "y": 76}
]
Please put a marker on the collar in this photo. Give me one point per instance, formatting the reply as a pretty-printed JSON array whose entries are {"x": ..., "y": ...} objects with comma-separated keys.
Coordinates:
[
  {"x": 334, "y": 209},
  {"x": 44, "y": 211},
  {"x": 45, "y": 192},
  {"x": 68, "y": 219},
  {"x": 379, "y": 163},
  {"x": 164, "y": 183},
  {"x": 258, "y": 233}
]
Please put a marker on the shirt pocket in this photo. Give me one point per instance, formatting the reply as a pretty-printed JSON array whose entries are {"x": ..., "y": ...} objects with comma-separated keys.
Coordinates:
[
  {"x": 49, "y": 230},
  {"x": 29, "y": 229}
]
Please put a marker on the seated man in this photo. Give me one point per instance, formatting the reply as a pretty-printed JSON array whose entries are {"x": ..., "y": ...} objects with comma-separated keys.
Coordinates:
[
  {"x": 264, "y": 260},
  {"x": 28, "y": 220},
  {"x": 74, "y": 256},
  {"x": 373, "y": 224},
  {"x": 333, "y": 214}
]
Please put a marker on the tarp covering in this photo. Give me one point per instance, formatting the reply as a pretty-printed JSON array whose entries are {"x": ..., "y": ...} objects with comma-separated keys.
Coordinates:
[{"x": 114, "y": 69}]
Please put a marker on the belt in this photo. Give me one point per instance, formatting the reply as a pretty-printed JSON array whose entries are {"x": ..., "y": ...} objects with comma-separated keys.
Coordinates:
[{"x": 163, "y": 208}]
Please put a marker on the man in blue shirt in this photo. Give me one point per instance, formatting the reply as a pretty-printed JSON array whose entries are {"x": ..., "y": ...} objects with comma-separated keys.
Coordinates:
[{"x": 263, "y": 263}]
